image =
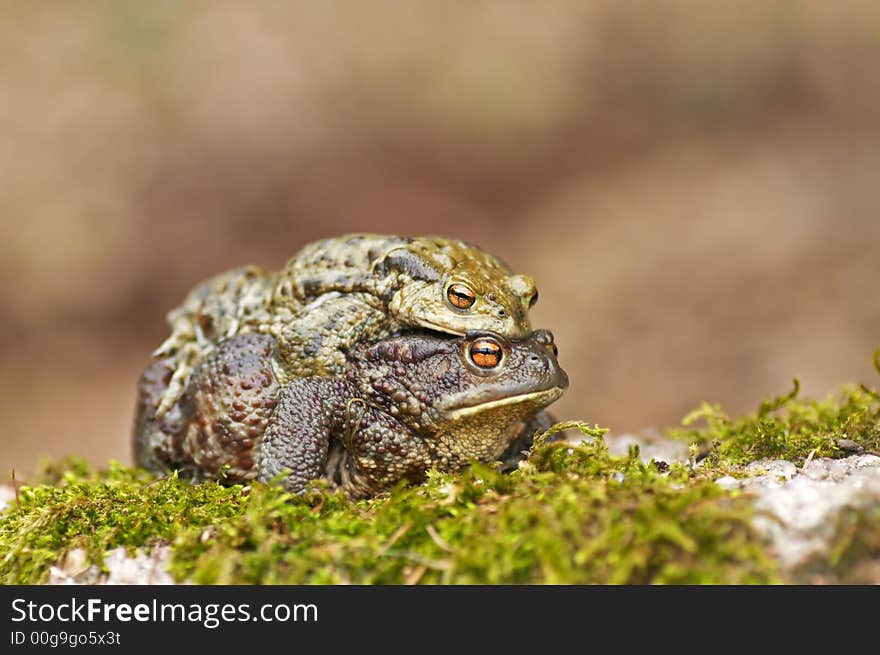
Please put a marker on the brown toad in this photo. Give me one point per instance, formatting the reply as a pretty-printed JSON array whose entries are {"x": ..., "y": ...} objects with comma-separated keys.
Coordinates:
[{"x": 402, "y": 406}]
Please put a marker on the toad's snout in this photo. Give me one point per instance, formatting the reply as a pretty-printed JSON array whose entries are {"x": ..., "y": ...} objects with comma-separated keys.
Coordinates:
[{"x": 544, "y": 357}]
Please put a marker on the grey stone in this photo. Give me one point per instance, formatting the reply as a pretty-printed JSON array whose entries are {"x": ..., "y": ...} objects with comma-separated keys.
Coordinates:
[
  {"x": 800, "y": 514},
  {"x": 777, "y": 468},
  {"x": 7, "y": 496},
  {"x": 815, "y": 469},
  {"x": 652, "y": 445},
  {"x": 728, "y": 482},
  {"x": 141, "y": 569}
]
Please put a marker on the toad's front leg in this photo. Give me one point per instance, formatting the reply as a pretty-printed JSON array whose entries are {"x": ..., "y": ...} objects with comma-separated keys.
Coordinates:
[
  {"x": 315, "y": 340},
  {"x": 519, "y": 448},
  {"x": 322, "y": 427},
  {"x": 296, "y": 442},
  {"x": 379, "y": 451}
]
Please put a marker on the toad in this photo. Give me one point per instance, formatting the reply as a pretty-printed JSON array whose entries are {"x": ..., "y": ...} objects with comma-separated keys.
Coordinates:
[{"x": 401, "y": 406}]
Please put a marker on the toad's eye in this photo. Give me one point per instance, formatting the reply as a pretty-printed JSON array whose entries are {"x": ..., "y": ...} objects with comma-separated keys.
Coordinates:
[
  {"x": 486, "y": 353},
  {"x": 460, "y": 296}
]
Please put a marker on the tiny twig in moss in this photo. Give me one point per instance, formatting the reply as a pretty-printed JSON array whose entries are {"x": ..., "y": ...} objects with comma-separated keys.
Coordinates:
[
  {"x": 395, "y": 537},
  {"x": 871, "y": 392},
  {"x": 15, "y": 489},
  {"x": 416, "y": 575},
  {"x": 773, "y": 404},
  {"x": 809, "y": 458},
  {"x": 865, "y": 387},
  {"x": 437, "y": 539}
]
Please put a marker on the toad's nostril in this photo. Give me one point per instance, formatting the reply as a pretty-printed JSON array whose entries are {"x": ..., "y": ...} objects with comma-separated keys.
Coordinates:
[{"x": 502, "y": 313}]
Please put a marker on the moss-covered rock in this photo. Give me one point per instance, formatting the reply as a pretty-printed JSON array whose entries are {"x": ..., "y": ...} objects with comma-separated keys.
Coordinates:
[{"x": 573, "y": 513}]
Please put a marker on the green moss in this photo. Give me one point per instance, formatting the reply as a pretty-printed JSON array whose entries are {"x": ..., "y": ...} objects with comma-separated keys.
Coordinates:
[
  {"x": 97, "y": 511},
  {"x": 572, "y": 515},
  {"x": 787, "y": 428}
]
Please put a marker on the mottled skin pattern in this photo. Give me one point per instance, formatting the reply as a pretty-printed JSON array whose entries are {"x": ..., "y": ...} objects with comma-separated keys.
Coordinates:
[
  {"x": 337, "y": 292},
  {"x": 402, "y": 406},
  {"x": 219, "y": 419}
]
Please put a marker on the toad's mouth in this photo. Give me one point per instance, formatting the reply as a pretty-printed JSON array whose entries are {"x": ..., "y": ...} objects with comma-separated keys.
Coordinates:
[
  {"x": 440, "y": 328},
  {"x": 535, "y": 398}
]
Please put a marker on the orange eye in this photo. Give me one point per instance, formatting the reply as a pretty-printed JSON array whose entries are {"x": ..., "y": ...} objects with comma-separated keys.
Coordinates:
[
  {"x": 486, "y": 353},
  {"x": 460, "y": 296}
]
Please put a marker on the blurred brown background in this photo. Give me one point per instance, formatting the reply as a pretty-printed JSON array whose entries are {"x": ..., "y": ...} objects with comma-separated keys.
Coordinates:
[{"x": 694, "y": 185}]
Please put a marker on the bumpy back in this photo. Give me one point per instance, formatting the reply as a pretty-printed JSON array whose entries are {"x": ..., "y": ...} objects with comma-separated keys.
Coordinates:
[{"x": 432, "y": 282}]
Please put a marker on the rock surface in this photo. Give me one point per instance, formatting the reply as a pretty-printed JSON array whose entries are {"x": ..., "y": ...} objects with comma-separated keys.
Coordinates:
[
  {"x": 7, "y": 496},
  {"x": 122, "y": 568},
  {"x": 799, "y": 508},
  {"x": 652, "y": 445}
]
